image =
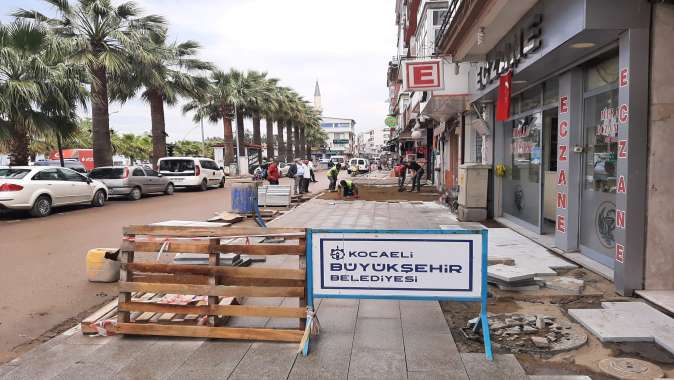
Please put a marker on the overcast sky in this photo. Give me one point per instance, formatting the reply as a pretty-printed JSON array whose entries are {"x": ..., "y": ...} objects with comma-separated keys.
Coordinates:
[{"x": 345, "y": 44}]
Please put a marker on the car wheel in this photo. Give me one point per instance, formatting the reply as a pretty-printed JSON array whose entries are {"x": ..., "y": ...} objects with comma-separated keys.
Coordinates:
[
  {"x": 41, "y": 207},
  {"x": 204, "y": 185},
  {"x": 169, "y": 189},
  {"x": 135, "y": 194},
  {"x": 99, "y": 199},
  {"x": 222, "y": 183}
]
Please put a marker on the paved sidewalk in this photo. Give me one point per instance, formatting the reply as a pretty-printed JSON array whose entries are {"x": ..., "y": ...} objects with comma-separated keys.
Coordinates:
[{"x": 363, "y": 339}]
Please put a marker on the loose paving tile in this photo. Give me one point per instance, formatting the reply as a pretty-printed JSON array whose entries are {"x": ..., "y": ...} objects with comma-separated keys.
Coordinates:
[
  {"x": 661, "y": 298},
  {"x": 504, "y": 367},
  {"x": 509, "y": 273},
  {"x": 628, "y": 322}
]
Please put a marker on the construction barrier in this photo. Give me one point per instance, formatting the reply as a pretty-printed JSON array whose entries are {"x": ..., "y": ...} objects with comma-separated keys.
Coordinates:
[{"x": 219, "y": 286}]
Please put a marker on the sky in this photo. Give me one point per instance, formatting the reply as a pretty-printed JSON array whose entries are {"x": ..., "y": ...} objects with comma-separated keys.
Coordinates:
[{"x": 344, "y": 44}]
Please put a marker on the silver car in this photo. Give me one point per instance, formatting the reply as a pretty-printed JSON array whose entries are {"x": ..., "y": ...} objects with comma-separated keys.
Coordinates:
[{"x": 132, "y": 181}]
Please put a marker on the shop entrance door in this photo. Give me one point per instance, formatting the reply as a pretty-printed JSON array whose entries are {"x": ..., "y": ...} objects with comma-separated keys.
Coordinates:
[{"x": 597, "y": 211}]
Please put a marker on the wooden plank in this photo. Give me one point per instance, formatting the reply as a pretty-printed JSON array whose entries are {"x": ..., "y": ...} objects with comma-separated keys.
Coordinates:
[
  {"x": 210, "y": 290},
  {"x": 213, "y": 261},
  {"x": 172, "y": 247},
  {"x": 125, "y": 257},
  {"x": 276, "y": 335},
  {"x": 98, "y": 314},
  {"x": 228, "y": 310},
  {"x": 230, "y": 272},
  {"x": 263, "y": 249},
  {"x": 189, "y": 231},
  {"x": 303, "y": 298}
]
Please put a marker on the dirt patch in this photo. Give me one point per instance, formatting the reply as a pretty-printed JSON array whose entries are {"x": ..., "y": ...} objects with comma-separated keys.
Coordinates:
[
  {"x": 581, "y": 361},
  {"x": 388, "y": 193}
]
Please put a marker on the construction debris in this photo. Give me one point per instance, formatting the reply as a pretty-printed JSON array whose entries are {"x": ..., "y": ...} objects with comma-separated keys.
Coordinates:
[
  {"x": 227, "y": 217},
  {"x": 632, "y": 369},
  {"x": 533, "y": 333}
]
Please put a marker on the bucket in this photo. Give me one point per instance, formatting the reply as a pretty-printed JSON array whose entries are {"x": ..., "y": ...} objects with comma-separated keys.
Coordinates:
[
  {"x": 244, "y": 197},
  {"x": 100, "y": 268}
]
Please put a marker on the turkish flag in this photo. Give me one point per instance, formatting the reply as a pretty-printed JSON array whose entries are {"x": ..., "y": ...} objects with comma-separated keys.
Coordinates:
[{"x": 503, "y": 101}]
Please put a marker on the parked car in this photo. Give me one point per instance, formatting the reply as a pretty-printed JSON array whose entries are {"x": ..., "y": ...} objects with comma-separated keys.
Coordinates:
[
  {"x": 39, "y": 188},
  {"x": 338, "y": 160},
  {"x": 198, "y": 172},
  {"x": 358, "y": 165},
  {"x": 132, "y": 181},
  {"x": 70, "y": 163}
]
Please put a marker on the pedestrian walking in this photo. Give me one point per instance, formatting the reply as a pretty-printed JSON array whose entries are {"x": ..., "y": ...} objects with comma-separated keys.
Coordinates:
[
  {"x": 311, "y": 170},
  {"x": 307, "y": 176},
  {"x": 418, "y": 173},
  {"x": 400, "y": 171},
  {"x": 273, "y": 173},
  {"x": 332, "y": 176},
  {"x": 299, "y": 176}
]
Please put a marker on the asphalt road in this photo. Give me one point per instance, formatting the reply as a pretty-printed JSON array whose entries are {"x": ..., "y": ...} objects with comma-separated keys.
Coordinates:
[{"x": 42, "y": 261}]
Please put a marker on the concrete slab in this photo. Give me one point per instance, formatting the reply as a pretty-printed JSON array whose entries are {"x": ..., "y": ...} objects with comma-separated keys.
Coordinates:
[
  {"x": 266, "y": 360},
  {"x": 628, "y": 322},
  {"x": 367, "y": 364},
  {"x": 559, "y": 377},
  {"x": 213, "y": 359},
  {"x": 660, "y": 298},
  {"x": 509, "y": 273},
  {"x": 504, "y": 367},
  {"x": 160, "y": 359},
  {"x": 379, "y": 309}
]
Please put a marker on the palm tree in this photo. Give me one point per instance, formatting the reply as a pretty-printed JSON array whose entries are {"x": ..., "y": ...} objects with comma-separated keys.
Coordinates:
[
  {"x": 36, "y": 90},
  {"x": 261, "y": 102},
  {"x": 173, "y": 72},
  {"x": 222, "y": 100},
  {"x": 101, "y": 37}
]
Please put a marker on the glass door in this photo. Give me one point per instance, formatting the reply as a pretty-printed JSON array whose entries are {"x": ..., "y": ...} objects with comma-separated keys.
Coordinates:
[{"x": 522, "y": 183}]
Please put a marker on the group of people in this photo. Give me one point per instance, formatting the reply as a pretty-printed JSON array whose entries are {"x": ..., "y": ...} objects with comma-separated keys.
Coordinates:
[
  {"x": 345, "y": 187},
  {"x": 302, "y": 171},
  {"x": 400, "y": 171}
]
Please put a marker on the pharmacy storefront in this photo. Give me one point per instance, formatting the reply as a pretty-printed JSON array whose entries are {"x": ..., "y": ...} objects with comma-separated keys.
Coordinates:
[{"x": 573, "y": 144}]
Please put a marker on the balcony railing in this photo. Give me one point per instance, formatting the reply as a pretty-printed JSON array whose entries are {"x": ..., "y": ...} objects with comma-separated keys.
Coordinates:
[{"x": 455, "y": 6}]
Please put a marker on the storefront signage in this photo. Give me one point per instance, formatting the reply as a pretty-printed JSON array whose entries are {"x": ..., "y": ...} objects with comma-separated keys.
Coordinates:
[
  {"x": 609, "y": 123},
  {"x": 424, "y": 75},
  {"x": 391, "y": 121},
  {"x": 515, "y": 48}
]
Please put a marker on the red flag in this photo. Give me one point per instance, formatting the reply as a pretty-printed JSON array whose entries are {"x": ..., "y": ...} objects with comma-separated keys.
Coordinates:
[{"x": 503, "y": 101}]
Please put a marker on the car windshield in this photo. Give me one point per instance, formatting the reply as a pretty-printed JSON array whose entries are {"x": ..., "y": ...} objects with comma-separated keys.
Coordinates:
[
  {"x": 107, "y": 173},
  {"x": 13, "y": 173},
  {"x": 176, "y": 166}
]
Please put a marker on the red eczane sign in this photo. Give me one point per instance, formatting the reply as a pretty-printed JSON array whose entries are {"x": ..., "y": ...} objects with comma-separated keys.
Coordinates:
[{"x": 424, "y": 75}]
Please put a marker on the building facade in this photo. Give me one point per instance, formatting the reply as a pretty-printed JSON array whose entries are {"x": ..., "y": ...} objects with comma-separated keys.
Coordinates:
[
  {"x": 341, "y": 136},
  {"x": 572, "y": 102}
]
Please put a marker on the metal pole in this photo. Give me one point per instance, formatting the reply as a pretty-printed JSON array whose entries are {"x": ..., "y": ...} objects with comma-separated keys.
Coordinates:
[{"x": 203, "y": 141}]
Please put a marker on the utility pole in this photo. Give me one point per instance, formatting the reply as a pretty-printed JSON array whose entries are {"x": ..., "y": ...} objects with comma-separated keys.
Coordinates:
[{"x": 203, "y": 141}]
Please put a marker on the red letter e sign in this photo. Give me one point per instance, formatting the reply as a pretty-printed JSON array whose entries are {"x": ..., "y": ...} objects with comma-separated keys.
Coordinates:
[{"x": 424, "y": 75}]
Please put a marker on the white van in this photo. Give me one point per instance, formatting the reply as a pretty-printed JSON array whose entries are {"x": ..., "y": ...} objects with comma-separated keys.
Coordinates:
[
  {"x": 338, "y": 160},
  {"x": 362, "y": 165},
  {"x": 199, "y": 172}
]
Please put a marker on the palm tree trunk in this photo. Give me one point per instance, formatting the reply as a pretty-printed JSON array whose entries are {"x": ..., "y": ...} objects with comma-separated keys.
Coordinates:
[
  {"x": 19, "y": 147},
  {"x": 100, "y": 118},
  {"x": 158, "y": 127},
  {"x": 240, "y": 131},
  {"x": 298, "y": 142},
  {"x": 270, "y": 138},
  {"x": 303, "y": 143},
  {"x": 257, "y": 139},
  {"x": 279, "y": 137},
  {"x": 289, "y": 142},
  {"x": 229, "y": 140}
]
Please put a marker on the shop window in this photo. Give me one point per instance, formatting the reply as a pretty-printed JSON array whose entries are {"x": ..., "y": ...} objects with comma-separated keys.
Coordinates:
[
  {"x": 531, "y": 99},
  {"x": 601, "y": 136},
  {"x": 602, "y": 74},
  {"x": 478, "y": 148},
  {"x": 550, "y": 92}
]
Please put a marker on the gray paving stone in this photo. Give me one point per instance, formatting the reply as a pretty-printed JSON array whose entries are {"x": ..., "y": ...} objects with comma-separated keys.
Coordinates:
[
  {"x": 371, "y": 364},
  {"x": 559, "y": 377},
  {"x": 52, "y": 362},
  {"x": 159, "y": 360},
  {"x": 438, "y": 375},
  {"x": 379, "y": 309},
  {"x": 213, "y": 359},
  {"x": 266, "y": 360},
  {"x": 510, "y": 273},
  {"x": 378, "y": 334},
  {"x": 328, "y": 358},
  {"x": 504, "y": 367}
]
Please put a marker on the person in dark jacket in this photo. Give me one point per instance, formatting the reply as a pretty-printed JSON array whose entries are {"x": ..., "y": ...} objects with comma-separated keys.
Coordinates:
[{"x": 418, "y": 173}]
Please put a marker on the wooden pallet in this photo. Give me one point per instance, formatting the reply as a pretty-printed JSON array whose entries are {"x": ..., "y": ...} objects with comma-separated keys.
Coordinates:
[{"x": 217, "y": 285}]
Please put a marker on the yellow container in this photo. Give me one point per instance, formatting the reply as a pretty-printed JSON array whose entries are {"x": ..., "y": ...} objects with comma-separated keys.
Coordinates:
[{"x": 100, "y": 269}]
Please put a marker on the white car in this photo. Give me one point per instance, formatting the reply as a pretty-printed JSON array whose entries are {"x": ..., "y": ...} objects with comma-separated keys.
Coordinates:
[
  {"x": 198, "y": 172},
  {"x": 39, "y": 188}
]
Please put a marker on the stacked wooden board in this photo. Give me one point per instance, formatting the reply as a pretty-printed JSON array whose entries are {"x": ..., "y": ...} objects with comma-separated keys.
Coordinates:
[{"x": 214, "y": 284}]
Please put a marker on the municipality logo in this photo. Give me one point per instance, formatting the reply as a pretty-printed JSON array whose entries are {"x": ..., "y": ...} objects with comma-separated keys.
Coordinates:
[{"x": 337, "y": 253}]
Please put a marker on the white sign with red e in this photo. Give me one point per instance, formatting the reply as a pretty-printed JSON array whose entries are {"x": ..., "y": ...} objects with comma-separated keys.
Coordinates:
[{"x": 424, "y": 75}]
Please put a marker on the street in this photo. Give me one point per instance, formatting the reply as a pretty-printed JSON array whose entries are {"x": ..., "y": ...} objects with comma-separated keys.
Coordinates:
[{"x": 43, "y": 260}]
